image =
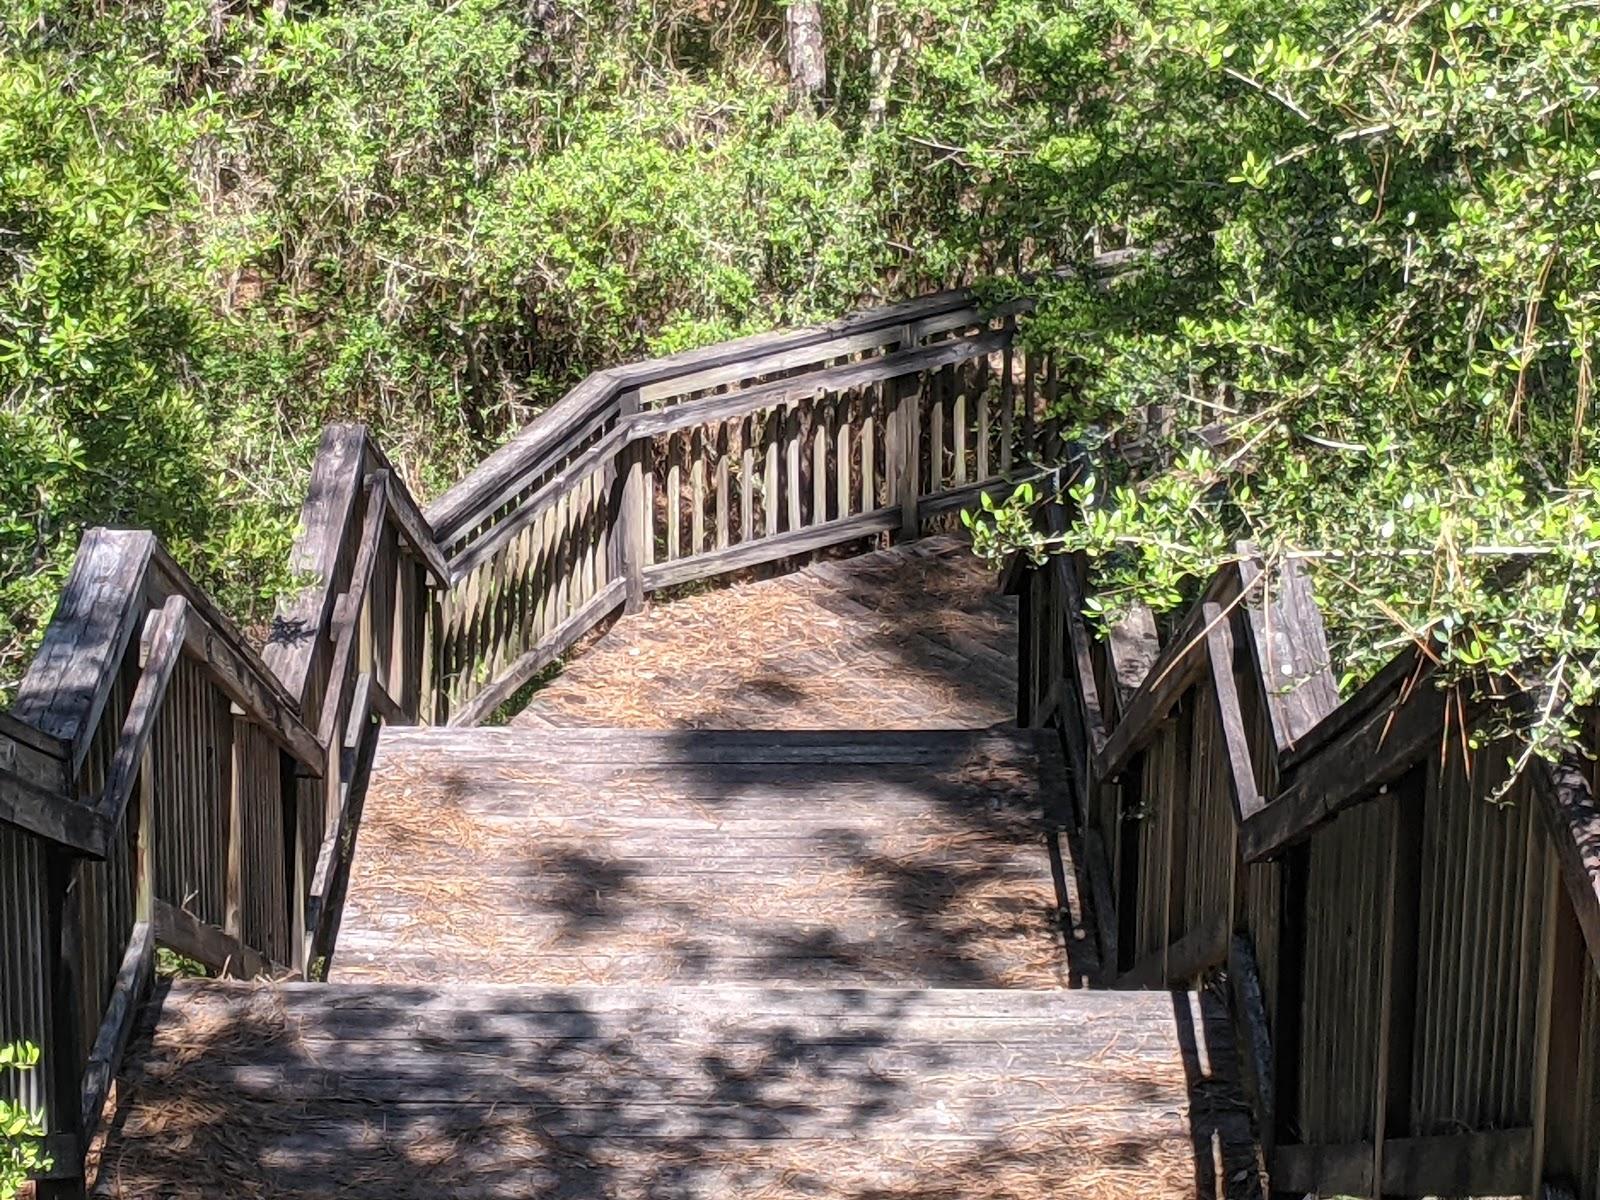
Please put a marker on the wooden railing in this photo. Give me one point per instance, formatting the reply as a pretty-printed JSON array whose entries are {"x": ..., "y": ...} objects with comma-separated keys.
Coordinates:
[
  {"x": 1413, "y": 968},
  {"x": 688, "y": 467},
  {"x": 161, "y": 783}
]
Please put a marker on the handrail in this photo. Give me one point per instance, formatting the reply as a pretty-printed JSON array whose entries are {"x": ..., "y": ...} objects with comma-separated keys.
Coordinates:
[
  {"x": 1381, "y": 927},
  {"x": 676, "y": 470},
  {"x": 482, "y": 488}
]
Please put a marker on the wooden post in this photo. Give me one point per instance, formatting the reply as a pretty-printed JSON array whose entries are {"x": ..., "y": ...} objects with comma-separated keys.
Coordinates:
[
  {"x": 908, "y": 403},
  {"x": 1288, "y": 1006},
  {"x": 632, "y": 523},
  {"x": 233, "y": 900},
  {"x": 1397, "y": 966},
  {"x": 1008, "y": 398},
  {"x": 1025, "y": 636},
  {"x": 1550, "y": 899},
  {"x": 303, "y": 947},
  {"x": 64, "y": 1056}
]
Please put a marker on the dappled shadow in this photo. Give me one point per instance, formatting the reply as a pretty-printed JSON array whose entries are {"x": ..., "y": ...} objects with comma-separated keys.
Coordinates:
[
  {"x": 922, "y": 859},
  {"x": 888, "y": 922},
  {"x": 419, "y": 1092}
]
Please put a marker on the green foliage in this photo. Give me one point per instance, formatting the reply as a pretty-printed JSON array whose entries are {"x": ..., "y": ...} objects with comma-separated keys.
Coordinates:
[
  {"x": 21, "y": 1132},
  {"x": 222, "y": 226},
  {"x": 1361, "y": 331},
  {"x": 1367, "y": 337}
]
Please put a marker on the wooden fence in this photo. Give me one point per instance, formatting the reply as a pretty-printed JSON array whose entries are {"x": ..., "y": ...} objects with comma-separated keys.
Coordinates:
[
  {"x": 163, "y": 784},
  {"x": 688, "y": 467},
  {"x": 1412, "y": 967}
]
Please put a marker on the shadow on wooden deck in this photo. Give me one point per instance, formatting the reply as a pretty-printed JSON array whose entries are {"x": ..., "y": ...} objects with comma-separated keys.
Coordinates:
[
  {"x": 914, "y": 1095},
  {"x": 927, "y": 858}
]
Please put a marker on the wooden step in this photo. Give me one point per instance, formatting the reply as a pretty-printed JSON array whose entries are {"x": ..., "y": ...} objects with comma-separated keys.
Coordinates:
[
  {"x": 596, "y": 856},
  {"x": 392, "y": 1092}
]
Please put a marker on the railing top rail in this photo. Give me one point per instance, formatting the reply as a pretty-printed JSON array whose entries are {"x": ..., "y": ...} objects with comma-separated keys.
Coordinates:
[
  {"x": 459, "y": 506},
  {"x": 118, "y": 580}
]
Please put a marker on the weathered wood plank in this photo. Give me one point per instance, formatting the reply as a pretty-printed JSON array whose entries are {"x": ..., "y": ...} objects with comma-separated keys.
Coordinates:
[
  {"x": 347, "y": 612},
  {"x": 164, "y": 645},
  {"x": 101, "y": 607},
  {"x": 1290, "y": 647},
  {"x": 336, "y": 480},
  {"x": 37, "y": 788},
  {"x": 1235, "y": 743},
  {"x": 1469, "y": 1164},
  {"x": 1374, "y": 752},
  {"x": 116, "y": 1025},
  {"x": 180, "y": 930}
]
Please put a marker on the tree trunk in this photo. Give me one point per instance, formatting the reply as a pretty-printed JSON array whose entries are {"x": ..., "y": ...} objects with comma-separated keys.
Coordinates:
[{"x": 807, "y": 62}]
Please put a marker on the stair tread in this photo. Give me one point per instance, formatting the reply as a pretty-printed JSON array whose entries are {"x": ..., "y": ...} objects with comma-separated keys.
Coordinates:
[
  {"x": 494, "y": 1091},
  {"x": 623, "y": 856}
]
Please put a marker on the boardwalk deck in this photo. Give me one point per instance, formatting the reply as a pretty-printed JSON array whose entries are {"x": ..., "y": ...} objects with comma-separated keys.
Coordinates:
[
  {"x": 676, "y": 962},
  {"x": 622, "y": 856},
  {"x": 893, "y": 1094},
  {"x": 916, "y": 637}
]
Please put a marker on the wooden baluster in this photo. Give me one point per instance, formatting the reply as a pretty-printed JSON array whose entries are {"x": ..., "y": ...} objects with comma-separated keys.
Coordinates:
[
  {"x": 1028, "y": 368},
  {"x": 869, "y": 451},
  {"x": 894, "y": 452},
  {"x": 64, "y": 1056},
  {"x": 843, "y": 415},
  {"x": 1052, "y": 417},
  {"x": 674, "y": 500},
  {"x": 723, "y": 482},
  {"x": 1008, "y": 400},
  {"x": 981, "y": 386},
  {"x": 819, "y": 459},
  {"x": 291, "y": 796},
  {"x": 747, "y": 480},
  {"x": 543, "y": 618},
  {"x": 956, "y": 390},
  {"x": 238, "y": 781},
  {"x": 588, "y": 540},
  {"x": 599, "y": 508},
  {"x": 769, "y": 499},
  {"x": 936, "y": 405},
  {"x": 791, "y": 462},
  {"x": 572, "y": 540},
  {"x": 527, "y": 563},
  {"x": 697, "y": 490},
  {"x": 648, "y": 455},
  {"x": 910, "y": 409},
  {"x": 632, "y": 545}
]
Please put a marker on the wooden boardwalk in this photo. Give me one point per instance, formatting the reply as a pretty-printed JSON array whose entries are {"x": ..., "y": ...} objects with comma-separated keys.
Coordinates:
[
  {"x": 638, "y": 1093},
  {"x": 620, "y": 857},
  {"x": 687, "y": 962},
  {"x": 916, "y": 637}
]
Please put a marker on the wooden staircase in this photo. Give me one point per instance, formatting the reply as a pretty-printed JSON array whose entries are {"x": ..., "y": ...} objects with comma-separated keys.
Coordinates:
[
  {"x": 622, "y": 963},
  {"x": 778, "y": 963}
]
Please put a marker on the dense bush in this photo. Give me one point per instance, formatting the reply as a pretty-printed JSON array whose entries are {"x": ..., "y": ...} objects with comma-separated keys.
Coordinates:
[
  {"x": 224, "y": 226},
  {"x": 1366, "y": 332}
]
